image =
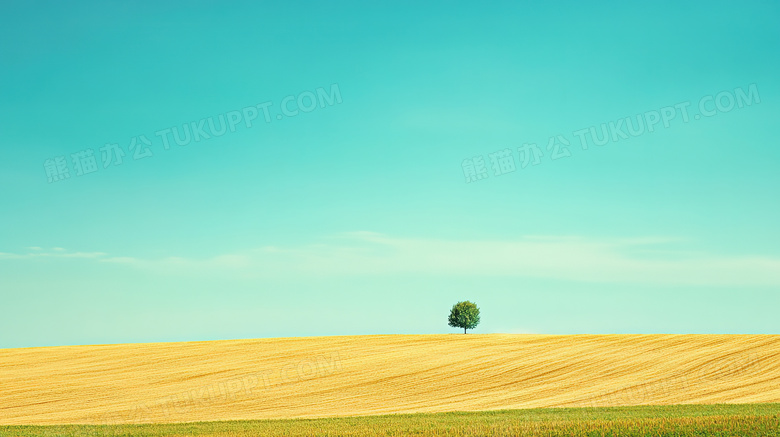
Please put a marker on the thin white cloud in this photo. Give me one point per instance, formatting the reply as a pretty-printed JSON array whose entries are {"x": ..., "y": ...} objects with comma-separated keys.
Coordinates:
[
  {"x": 56, "y": 252},
  {"x": 82, "y": 255},
  {"x": 120, "y": 260},
  {"x": 650, "y": 260},
  {"x": 567, "y": 258}
]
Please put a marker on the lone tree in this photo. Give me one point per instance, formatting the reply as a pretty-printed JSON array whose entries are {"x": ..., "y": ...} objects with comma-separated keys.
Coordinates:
[{"x": 464, "y": 315}]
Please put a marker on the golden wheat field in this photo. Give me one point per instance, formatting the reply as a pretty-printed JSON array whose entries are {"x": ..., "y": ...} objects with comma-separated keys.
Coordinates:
[{"x": 367, "y": 375}]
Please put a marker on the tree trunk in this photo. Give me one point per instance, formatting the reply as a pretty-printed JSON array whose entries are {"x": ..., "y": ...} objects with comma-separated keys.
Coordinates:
[{"x": 464, "y": 330}]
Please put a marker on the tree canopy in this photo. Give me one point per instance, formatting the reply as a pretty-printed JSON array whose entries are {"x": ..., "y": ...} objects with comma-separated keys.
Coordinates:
[{"x": 464, "y": 315}]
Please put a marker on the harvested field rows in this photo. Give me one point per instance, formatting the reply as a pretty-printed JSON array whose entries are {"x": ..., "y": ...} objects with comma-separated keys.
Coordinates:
[{"x": 366, "y": 375}]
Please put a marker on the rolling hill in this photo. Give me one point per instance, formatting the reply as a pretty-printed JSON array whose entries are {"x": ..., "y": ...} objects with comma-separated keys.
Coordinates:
[{"x": 365, "y": 375}]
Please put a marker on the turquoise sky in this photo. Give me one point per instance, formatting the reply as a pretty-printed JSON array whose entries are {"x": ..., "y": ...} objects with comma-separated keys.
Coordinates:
[{"x": 353, "y": 215}]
